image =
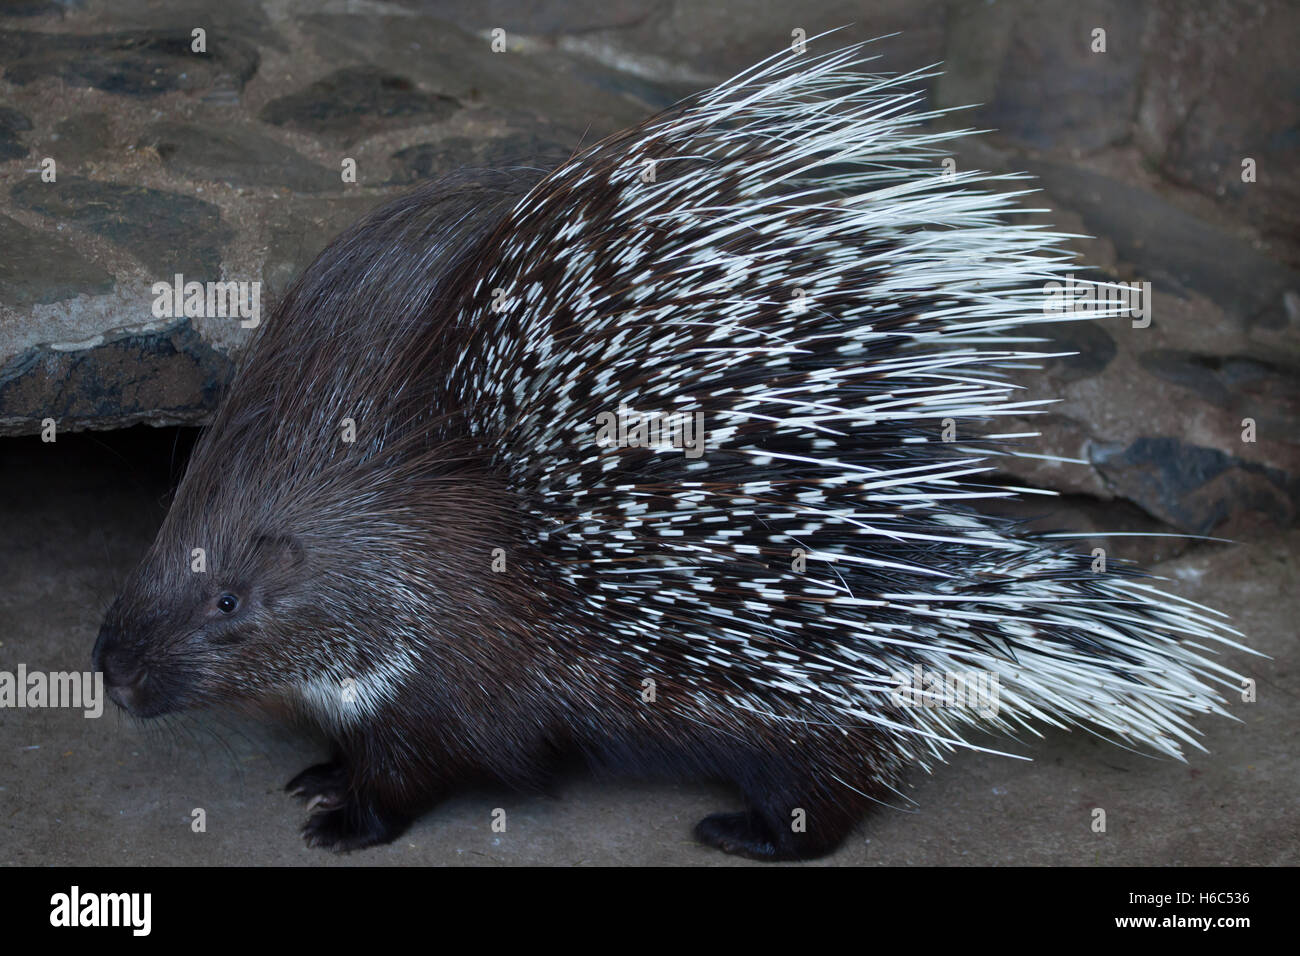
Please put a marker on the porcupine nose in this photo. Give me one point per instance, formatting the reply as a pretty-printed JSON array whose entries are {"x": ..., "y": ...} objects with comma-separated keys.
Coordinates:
[{"x": 123, "y": 675}]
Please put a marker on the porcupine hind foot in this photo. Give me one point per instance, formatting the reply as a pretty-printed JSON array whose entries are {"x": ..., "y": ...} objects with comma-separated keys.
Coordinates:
[
  {"x": 748, "y": 834},
  {"x": 342, "y": 819},
  {"x": 740, "y": 833},
  {"x": 782, "y": 823}
]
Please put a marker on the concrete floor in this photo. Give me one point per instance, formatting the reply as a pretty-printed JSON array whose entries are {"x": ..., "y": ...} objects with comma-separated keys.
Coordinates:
[{"x": 75, "y": 516}]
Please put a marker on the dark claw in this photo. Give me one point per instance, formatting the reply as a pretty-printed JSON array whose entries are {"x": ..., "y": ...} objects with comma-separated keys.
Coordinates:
[
  {"x": 323, "y": 786},
  {"x": 350, "y": 827},
  {"x": 340, "y": 819}
]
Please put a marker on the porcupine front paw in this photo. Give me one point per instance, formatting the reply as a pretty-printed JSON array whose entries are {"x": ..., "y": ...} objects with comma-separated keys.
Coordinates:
[
  {"x": 340, "y": 821},
  {"x": 354, "y": 826}
]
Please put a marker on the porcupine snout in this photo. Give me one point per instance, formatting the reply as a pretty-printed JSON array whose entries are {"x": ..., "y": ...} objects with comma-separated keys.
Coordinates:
[
  {"x": 121, "y": 655},
  {"x": 123, "y": 670}
]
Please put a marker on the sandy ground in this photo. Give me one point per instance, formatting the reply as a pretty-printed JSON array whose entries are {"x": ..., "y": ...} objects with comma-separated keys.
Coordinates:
[{"x": 77, "y": 791}]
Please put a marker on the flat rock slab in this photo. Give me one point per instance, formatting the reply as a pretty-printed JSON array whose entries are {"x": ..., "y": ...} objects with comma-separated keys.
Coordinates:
[
  {"x": 39, "y": 268},
  {"x": 225, "y": 162},
  {"x": 236, "y": 157},
  {"x": 357, "y": 102},
  {"x": 147, "y": 376},
  {"x": 226, "y": 165},
  {"x": 167, "y": 232},
  {"x": 144, "y": 63}
]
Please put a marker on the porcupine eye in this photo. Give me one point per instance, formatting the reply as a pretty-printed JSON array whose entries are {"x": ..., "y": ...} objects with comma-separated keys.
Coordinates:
[{"x": 227, "y": 603}]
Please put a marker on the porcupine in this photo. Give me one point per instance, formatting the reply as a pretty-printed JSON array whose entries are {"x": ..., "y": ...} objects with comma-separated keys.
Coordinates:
[{"x": 478, "y": 586}]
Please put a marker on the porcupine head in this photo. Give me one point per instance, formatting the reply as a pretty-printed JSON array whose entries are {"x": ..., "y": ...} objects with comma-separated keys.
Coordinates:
[{"x": 411, "y": 526}]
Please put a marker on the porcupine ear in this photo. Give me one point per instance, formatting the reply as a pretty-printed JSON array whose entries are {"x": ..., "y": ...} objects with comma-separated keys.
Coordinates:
[{"x": 281, "y": 550}]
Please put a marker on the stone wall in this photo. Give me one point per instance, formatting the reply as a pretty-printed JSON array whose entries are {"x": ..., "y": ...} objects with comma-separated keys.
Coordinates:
[{"x": 226, "y": 165}]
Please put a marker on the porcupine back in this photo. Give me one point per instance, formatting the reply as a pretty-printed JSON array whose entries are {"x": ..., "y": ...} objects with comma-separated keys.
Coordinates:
[{"x": 785, "y": 254}]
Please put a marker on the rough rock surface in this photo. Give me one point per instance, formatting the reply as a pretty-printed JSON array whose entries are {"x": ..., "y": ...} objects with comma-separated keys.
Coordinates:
[{"x": 226, "y": 165}]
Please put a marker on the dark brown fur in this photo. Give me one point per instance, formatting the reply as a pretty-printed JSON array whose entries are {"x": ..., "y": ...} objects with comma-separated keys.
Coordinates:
[{"x": 344, "y": 557}]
